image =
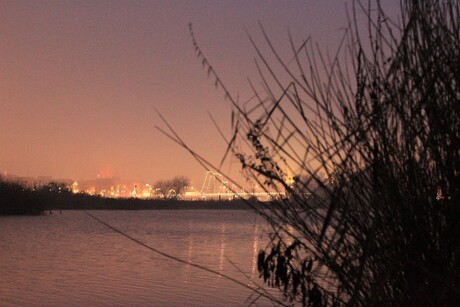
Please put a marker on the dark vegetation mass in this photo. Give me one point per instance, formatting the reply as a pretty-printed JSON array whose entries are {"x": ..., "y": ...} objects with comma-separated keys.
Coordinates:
[
  {"x": 17, "y": 199},
  {"x": 366, "y": 144}
]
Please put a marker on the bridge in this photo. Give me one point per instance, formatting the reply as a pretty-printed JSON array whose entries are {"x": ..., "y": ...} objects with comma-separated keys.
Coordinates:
[{"x": 216, "y": 186}]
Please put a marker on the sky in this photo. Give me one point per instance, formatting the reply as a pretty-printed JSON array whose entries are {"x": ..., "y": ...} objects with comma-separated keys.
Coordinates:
[{"x": 80, "y": 80}]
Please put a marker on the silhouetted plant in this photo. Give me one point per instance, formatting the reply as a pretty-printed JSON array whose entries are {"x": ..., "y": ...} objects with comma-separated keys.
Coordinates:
[
  {"x": 179, "y": 184},
  {"x": 172, "y": 188},
  {"x": 366, "y": 147}
]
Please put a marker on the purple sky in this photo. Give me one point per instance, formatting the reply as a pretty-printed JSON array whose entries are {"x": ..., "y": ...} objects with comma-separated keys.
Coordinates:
[{"x": 79, "y": 80}]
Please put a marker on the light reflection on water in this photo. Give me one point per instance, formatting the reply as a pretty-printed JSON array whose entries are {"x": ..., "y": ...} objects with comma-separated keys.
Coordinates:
[
  {"x": 71, "y": 259},
  {"x": 255, "y": 253},
  {"x": 222, "y": 249}
]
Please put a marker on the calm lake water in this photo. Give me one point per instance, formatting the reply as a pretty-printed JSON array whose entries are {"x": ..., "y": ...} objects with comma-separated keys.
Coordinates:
[{"x": 70, "y": 259}]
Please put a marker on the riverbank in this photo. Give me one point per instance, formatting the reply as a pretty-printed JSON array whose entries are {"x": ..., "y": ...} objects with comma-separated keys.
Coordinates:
[
  {"x": 85, "y": 202},
  {"x": 17, "y": 199}
]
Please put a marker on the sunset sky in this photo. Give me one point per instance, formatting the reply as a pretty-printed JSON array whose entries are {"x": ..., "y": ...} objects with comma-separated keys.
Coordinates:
[{"x": 80, "y": 80}]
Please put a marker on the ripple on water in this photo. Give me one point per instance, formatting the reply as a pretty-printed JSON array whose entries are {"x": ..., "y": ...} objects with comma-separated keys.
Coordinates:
[{"x": 72, "y": 260}]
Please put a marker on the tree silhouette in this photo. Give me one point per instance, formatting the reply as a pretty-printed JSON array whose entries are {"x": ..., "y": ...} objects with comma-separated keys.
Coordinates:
[
  {"x": 163, "y": 188},
  {"x": 179, "y": 184},
  {"x": 173, "y": 188}
]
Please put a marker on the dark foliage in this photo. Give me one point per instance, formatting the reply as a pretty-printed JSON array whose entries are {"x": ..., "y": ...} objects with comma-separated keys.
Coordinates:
[
  {"x": 367, "y": 147},
  {"x": 17, "y": 199}
]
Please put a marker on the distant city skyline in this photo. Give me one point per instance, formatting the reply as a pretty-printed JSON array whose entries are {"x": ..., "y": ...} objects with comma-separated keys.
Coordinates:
[{"x": 80, "y": 80}]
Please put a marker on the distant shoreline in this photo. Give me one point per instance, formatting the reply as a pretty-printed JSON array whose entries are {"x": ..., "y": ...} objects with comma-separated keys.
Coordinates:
[
  {"x": 94, "y": 203},
  {"x": 16, "y": 199}
]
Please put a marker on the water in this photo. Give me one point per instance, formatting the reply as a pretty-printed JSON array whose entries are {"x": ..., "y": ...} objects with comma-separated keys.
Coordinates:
[{"x": 73, "y": 260}]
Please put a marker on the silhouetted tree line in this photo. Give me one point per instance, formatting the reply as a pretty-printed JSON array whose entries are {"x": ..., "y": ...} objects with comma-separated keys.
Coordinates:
[
  {"x": 372, "y": 137},
  {"x": 18, "y": 199}
]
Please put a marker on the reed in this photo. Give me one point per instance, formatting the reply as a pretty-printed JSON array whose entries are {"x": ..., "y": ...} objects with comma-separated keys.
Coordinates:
[{"x": 367, "y": 147}]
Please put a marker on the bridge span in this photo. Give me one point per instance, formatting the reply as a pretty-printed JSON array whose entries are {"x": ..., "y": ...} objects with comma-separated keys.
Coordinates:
[{"x": 217, "y": 187}]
